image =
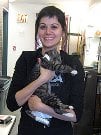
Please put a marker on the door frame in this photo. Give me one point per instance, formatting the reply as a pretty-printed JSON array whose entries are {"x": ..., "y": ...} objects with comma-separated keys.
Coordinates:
[{"x": 5, "y": 42}]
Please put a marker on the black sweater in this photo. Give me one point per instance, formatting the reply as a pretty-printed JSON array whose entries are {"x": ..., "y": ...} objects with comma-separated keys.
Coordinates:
[{"x": 70, "y": 91}]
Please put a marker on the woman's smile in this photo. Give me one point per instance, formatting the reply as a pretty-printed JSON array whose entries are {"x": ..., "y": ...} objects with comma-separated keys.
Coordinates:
[{"x": 49, "y": 38}]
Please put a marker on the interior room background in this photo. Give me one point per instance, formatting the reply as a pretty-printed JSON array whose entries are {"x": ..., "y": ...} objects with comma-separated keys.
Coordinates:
[{"x": 17, "y": 34}]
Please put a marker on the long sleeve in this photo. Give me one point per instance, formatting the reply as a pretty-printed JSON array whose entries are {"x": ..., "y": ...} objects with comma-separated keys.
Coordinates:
[
  {"x": 74, "y": 85},
  {"x": 77, "y": 88},
  {"x": 19, "y": 79}
]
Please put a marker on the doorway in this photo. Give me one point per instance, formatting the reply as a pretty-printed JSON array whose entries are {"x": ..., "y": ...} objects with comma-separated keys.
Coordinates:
[{"x": 5, "y": 42}]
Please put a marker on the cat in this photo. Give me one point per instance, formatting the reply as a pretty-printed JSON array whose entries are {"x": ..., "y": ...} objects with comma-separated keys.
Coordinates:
[{"x": 52, "y": 61}]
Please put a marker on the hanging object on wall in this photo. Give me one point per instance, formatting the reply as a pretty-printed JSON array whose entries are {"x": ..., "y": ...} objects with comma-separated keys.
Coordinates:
[
  {"x": 14, "y": 48},
  {"x": 22, "y": 18}
]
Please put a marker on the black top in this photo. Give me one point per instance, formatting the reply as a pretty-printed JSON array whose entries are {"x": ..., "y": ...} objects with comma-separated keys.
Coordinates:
[{"x": 70, "y": 89}]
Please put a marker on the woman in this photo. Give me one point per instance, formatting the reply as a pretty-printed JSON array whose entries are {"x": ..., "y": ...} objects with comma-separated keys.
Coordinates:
[{"x": 50, "y": 28}]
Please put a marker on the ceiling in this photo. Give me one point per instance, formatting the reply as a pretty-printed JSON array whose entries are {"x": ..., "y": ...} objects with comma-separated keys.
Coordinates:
[{"x": 47, "y": 1}]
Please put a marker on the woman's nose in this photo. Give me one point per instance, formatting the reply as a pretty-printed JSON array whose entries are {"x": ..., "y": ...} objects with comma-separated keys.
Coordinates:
[{"x": 48, "y": 30}]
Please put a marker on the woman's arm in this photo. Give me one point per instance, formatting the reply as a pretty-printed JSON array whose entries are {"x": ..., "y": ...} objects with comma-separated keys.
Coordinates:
[
  {"x": 77, "y": 89},
  {"x": 20, "y": 90},
  {"x": 35, "y": 104},
  {"x": 24, "y": 94}
]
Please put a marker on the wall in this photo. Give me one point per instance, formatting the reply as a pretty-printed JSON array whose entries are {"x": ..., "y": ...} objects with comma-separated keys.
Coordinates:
[
  {"x": 93, "y": 41},
  {"x": 21, "y": 35},
  {"x": 92, "y": 2}
]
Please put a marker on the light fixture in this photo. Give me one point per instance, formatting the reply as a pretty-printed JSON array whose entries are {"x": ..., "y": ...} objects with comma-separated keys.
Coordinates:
[
  {"x": 98, "y": 33},
  {"x": 12, "y": 0}
]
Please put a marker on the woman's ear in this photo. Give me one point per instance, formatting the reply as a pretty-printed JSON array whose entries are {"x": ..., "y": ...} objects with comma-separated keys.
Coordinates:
[{"x": 63, "y": 37}]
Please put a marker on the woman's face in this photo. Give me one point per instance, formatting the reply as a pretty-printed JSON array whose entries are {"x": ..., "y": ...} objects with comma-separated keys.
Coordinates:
[{"x": 50, "y": 32}]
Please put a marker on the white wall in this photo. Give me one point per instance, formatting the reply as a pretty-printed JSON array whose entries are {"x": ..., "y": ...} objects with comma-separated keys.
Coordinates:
[
  {"x": 78, "y": 11},
  {"x": 92, "y": 43},
  {"x": 22, "y": 35}
]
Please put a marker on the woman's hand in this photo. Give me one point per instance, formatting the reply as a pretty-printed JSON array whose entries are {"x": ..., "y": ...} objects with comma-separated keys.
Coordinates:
[
  {"x": 46, "y": 75},
  {"x": 34, "y": 102}
]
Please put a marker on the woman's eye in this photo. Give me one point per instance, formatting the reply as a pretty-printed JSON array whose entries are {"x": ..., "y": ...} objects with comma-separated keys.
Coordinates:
[
  {"x": 54, "y": 27},
  {"x": 42, "y": 27}
]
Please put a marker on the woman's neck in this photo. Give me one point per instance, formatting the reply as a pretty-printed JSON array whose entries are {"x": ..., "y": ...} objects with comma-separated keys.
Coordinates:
[{"x": 48, "y": 49}]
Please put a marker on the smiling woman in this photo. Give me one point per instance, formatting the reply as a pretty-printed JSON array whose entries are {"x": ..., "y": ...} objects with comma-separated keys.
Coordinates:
[{"x": 50, "y": 27}]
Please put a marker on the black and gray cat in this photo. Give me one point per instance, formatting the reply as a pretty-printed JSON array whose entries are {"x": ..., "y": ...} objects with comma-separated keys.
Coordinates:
[{"x": 52, "y": 61}]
